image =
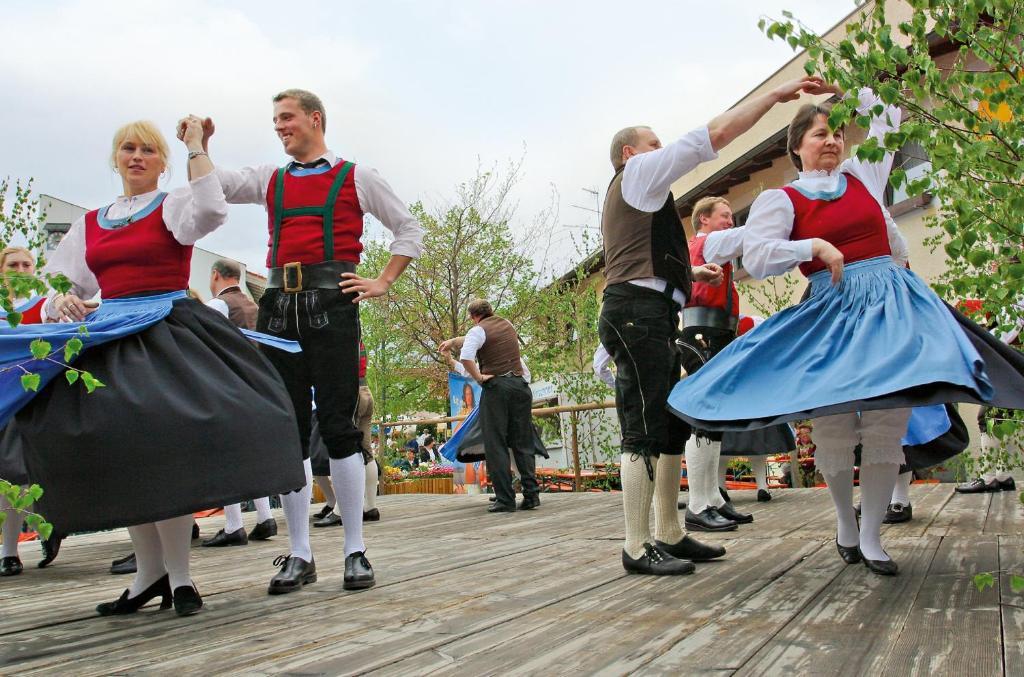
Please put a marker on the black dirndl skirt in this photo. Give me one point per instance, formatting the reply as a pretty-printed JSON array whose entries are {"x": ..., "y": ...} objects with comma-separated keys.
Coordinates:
[
  {"x": 12, "y": 456},
  {"x": 192, "y": 417},
  {"x": 776, "y": 439}
]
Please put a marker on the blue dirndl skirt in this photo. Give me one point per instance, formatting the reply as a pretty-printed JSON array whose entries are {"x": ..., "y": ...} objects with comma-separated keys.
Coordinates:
[{"x": 881, "y": 339}]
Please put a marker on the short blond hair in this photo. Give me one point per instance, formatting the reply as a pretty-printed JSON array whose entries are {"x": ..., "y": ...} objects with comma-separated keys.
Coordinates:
[
  {"x": 144, "y": 132},
  {"x": 705, "y": 207}
]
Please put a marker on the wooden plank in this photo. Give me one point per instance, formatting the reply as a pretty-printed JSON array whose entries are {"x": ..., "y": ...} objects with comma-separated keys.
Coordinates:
[
  {"x": 952, "y": 628},
  {"x": 845, "y": 629},
  {"x": 1011, "y": 604},
  {"x": 1006, "y": 514},
  {"x": 963, "y": 514},
  {"x": 618, "y": 627}
]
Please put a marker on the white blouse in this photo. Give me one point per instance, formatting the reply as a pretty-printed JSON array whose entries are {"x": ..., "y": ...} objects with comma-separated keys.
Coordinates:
[
  {"x": 767, "y": 249},
  {"x": 189, "y": 212}
]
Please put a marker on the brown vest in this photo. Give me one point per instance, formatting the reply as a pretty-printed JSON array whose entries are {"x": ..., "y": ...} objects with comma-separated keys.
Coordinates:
[
  {"x": 643, "y": 244},
  {"x": 500, "y": 352},
  {"x": 242, "y": 310}
]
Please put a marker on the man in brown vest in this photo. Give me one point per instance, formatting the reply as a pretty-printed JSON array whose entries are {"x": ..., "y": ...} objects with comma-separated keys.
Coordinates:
[
  {"x": 229, "y": 300},
  {"x": 504, "y": 405},
  {"x": 648, "y": 274}
]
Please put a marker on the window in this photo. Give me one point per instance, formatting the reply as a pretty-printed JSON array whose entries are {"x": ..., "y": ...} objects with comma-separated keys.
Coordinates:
[{"x": 912, "y": 159}]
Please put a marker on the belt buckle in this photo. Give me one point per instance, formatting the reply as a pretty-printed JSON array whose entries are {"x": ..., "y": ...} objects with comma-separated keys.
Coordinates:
[{"x": 292, "y": 271}]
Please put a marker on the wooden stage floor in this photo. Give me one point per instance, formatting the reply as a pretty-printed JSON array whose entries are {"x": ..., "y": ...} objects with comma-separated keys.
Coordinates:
[{"x": 460, "y": 591}]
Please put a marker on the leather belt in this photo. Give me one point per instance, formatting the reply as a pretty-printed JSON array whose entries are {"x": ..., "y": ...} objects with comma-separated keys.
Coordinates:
[
  {"x": 295, "y": 277},
  {"x": 715, "y": 318}
]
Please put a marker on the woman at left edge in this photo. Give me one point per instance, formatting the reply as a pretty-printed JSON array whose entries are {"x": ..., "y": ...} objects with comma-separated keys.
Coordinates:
[{"x": 193, "y": 415}]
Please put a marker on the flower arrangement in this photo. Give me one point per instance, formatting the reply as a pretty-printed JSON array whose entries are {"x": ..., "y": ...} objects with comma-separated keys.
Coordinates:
[
  {"x": 432, "y": 472},
  {"x": 392, "y": 475}
]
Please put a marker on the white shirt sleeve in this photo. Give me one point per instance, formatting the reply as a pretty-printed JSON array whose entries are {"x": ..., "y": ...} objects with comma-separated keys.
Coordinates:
[
  {"x": 219, "y": 305},
  {"x": 460, "y": 368},
  {"x": 897, "y": 243},
  {"x": 69, "y": 260},
  {"x": 473, "y": 342},
  {"x": 874, "y": 175},
  {"x": 196, "y": 210},
  {"x": 247, "y": 185},
  {"x": 527, "y": 376},
  {"x": 648, "y": 177},
  {"x": 767, "y": 249},
  {"x": 601, "y": 369},
  {"x": 377, "y": 198},
  {"x": 724, "y": 245}
]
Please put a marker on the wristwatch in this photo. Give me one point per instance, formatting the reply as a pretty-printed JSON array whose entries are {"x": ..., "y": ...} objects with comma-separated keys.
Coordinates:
[{"x": 192, "y": 154}]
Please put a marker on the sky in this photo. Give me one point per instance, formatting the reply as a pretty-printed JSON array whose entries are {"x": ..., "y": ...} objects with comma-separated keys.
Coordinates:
[{"x": 425, "y": 91}]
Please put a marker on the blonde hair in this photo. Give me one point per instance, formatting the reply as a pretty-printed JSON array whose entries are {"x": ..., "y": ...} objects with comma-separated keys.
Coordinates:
[
  {"x": 144, "y": 132},
  {"x": 308, "y": 102},
  {"x": 7, "y": 251},
  {"x": 705, "y": 207}
]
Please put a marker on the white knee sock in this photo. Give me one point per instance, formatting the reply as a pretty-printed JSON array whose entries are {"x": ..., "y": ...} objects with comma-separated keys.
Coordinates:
[
  {"x": 901, "y": 492},
  {"x": 1002, "y": 475},
  {"x": 324, "y": 482},
  {"x": 11, "y": 529},
  {"x": 296, "y": 514},
  {"x": 232, "y": 517},
  {"x": 840, "y": 487},
  {"x": 759, "y": 466},
  {"x": 666, "y": 499},
  {"x": 149, "y": 556},
  {"x": 701, "y": 474},
  {"x": 175, "y": 538},
  {"x": 349, "y": 480},
  {"x": 370, "y": 490},
  {"x": 637, "y": 492},
  {"x": 263, "y": 509},
  {"x": 876, "y": 483}
]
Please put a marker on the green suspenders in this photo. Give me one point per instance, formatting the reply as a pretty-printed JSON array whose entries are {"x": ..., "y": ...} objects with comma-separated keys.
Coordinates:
[{"x": 326, "y": 213}]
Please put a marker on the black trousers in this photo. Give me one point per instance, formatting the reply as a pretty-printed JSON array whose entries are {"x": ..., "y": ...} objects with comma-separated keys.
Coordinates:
[
  {"x": 506, "y": 423},
  {"x": 638, "y": 329},
  {"x": 325, "y": 322}
]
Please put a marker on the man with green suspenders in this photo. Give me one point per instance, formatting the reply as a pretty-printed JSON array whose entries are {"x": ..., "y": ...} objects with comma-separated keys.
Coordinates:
[{"x": 315, "y": 206}]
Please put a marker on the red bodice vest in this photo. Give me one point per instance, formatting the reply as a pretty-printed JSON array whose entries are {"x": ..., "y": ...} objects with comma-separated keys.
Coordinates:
[
  {"x": 703, "y": 294},
  {"x": 302, "y": 236},
  {"x": 138, "y": 257},
  {"x": 853, "y": 223},
  {"x": 34, "y": 313}
]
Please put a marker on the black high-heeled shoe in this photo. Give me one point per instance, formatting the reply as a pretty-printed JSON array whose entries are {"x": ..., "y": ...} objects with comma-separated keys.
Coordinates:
[
  {"x": 187, "y": 600},
  {"x": 850, "y": 555},
  {"x": 886, "y": 567},
  {"x": 129, "y": 605}
]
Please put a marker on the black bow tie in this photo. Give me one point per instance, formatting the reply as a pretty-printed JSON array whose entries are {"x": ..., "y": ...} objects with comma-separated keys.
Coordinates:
[{"x": 310, "y": 165}]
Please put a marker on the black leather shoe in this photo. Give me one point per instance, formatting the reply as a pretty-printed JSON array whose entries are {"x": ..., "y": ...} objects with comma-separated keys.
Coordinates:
[
  {"x": 263, "y": 530},
  {"x": 332, "y": 520},
  {"x": 187, "y": 600},
  {"x": 125, "y": 565},
  {"x": 222, "y": 538},
  {"x": 358, "y": 572},
  {"x": 978, "y": 486},
  {"x": 501, "y": 507},
  {"x": 1007, "y": 485},
  {"x": 730, "y": 513},
  {"x": 125, "y": 605},
  {"x": 848, "y": 555},
  {"x": 195, "y": 531},
  {"x": 725, "y": 495},
  {"x": 371, "y": 515},
  {"x": 295, "y": 572},
  {"x": 681, "y": 505},
  {"x": 324, "y": 512},
  {"x": 763, "y": 495},
  {"x": 11, "y": 566},
  {"x": 708, "y": 520},
  {"x": 882, "y": 567},
  {"x": 692, "y": 549},
  {"x": 492, "y": 499},
  {"x": 529, "y": 502},
  {"x": 51, "y": 546},
  {"x": 656, "y": 562},
  {"x": 897, "y": 513}
]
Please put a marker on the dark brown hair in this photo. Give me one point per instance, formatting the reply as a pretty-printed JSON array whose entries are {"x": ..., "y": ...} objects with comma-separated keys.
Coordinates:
[
  {"x": 802, "y": 121},
  {"x": 480, "y": 308}
]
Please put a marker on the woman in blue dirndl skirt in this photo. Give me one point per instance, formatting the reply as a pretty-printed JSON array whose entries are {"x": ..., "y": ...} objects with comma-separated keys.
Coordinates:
[{"x": 870, "y": 343}]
